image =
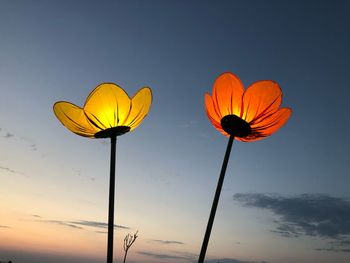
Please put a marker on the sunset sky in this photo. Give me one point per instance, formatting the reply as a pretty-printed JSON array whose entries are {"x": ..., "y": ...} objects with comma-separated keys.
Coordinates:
[{"x": 285, "y": 199}]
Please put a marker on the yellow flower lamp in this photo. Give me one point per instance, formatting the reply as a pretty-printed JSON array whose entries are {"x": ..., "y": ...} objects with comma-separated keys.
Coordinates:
[
  {"x": 245, "y": 115},
  {"x": 107, "y": 113}
]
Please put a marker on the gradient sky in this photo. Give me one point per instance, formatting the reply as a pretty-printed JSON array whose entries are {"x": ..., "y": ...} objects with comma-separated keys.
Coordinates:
[{"x": 285, "y": 199}]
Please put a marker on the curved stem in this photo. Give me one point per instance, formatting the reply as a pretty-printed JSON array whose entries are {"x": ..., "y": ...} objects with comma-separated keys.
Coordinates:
[
  {"x": 215, "y": 201},
  {"x": 111, "y": 201}
]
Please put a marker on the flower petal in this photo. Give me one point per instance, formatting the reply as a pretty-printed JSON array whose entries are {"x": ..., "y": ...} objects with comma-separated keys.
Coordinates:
[
  {"x": 209, "y": 108},
  {"x": 214, "y": 118},
  {"x": 268, "y": 125},
  {"x": 74, "y": 119},
  {"x": 218, "y": 127},
  {"x": 140, "y": 105},
  {"x": 227, "y": 94},
  {"x": 261, "y": 98},
  {"x": 107, "y": 106}
]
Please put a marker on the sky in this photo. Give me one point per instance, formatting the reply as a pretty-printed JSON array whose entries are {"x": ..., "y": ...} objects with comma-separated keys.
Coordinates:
[{"x": 285, "y": 198}]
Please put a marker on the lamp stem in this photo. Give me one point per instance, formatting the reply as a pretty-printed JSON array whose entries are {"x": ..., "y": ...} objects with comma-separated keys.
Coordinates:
[
  {"x": 215, "y": 201},
  {"x": 111, "y": 201}
]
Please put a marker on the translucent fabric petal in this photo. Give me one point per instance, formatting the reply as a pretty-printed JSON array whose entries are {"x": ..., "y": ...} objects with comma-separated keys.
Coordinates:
[
  {"x": 217, "y": 125},
  {"x": 227, "y": 94},
  {"x": 140, "y": 105},
  {"x": 214, "y": 118},
  {"x": 209, "y": 107},
  {"x": 107, "y": 106},
  {"x": 268, "y": 125},
  {"x": 74, "y": 119},
  {"x": 261, "y": 98}
]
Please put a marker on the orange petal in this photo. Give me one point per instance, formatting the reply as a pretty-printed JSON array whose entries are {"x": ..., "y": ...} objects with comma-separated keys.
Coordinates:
[
  {"x": 268, "y": 125},
  {"x": 74, "y": 119},
  {"x": 107, "y": 106},
  {"x": 227, "y": 94},
  {"x": 217, "y": 126},
  {"x": 212, "y": 114},
  {"x": 209, "y": 108},
  {"x": 140, "y": 105},
  {"x": 261, "y": 98}
]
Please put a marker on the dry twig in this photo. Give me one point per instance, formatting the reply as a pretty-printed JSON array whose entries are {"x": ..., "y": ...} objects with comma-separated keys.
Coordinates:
[{"x": 128, "y": 241}]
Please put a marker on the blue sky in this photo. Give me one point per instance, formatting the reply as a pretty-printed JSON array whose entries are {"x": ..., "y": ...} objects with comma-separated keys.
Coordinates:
[{"x": 167, "y": 169}]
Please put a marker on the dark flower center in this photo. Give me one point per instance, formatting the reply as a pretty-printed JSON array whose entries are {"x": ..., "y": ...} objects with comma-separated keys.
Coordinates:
[
  {"x": 235, "y": 126},
  {"x": 112, "y": 132}
]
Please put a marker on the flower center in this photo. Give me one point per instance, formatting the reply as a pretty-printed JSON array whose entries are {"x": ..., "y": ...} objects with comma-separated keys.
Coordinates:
[
  {"x": 112, "y": 132},
  {"x": 235, "y": 126}
]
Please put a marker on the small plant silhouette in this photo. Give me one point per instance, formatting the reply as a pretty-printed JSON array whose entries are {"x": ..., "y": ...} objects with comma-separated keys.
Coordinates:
[{"x": 128, "y": 241}]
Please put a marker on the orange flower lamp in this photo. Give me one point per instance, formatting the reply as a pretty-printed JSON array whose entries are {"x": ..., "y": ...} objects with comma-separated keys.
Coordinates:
[
  {"x": 245, "y": 115},
  {"x": 107, "y": 113}
]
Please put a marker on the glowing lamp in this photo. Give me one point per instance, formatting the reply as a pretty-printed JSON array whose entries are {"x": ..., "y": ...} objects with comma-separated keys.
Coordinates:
[
  {"x": 107, "y": 113},
  {"x": 245, "y": 115}
]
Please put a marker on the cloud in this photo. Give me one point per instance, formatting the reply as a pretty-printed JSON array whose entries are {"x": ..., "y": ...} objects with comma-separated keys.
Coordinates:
[
  {"x": 168, "y": 242},
  {"x": 310, "y": 215},
  {"x": 37, "y": 216},
  {"x": 101, "y": 232},
  {"x": 63, "y": 223},
  {"x": 344, "y": 250},
  {"x": 315, "y": 215},
  {"x": 96, "y": 224},
  {"x": 8, "y": 135},
  {"x": 7, "y": 169},
  {"x": 81, "y": 223},
  {"x": 33, "y": 147},
  {"x": 29, "y": 142},
  {"x": 342, "y": 245},
  {"x": 231, "y": 260},
  {"x": 2, "y": 226},
  {"x": 166, "y": 256}
]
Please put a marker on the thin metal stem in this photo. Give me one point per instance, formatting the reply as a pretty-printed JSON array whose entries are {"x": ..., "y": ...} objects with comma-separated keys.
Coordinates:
[
  {"x": 111, "y": 201},
  {"x": 215, "y": 201}
]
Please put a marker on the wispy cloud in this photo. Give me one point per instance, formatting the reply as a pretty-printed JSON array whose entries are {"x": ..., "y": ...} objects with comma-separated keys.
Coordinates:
[
  {"x": 316, "y": 215},
  {"x": 342, "y": 245},
  {"x": 344, "y": 250},
  {"x": 96, "y": 224},
  {"x": 80, "y": 224},
  {"x": 8, "y": 135},
  {"x": 7, "y": 169},
  {"x": 167, "y": 256},
  {"x": 37, "y": 216},
  {"x": 193, "y": 258},
  {"x": 101, "y": 232},
  {"x": 33, "y": 147},
  {"x": 167, "y": 242},
  {"x": 2, "y": 226},
  {"x": 63, "y": 223},
  {"x": 232, "y": 260}
]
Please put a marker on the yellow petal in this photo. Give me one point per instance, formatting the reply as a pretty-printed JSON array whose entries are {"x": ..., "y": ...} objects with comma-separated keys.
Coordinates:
[
  {"x": 107, "y": 106},
  {"x": 140, "y": 105},
  {"x": 74, "y": 119},
  {"x": 227, "y": 94},
  {"x": 261, "y": 98}
]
